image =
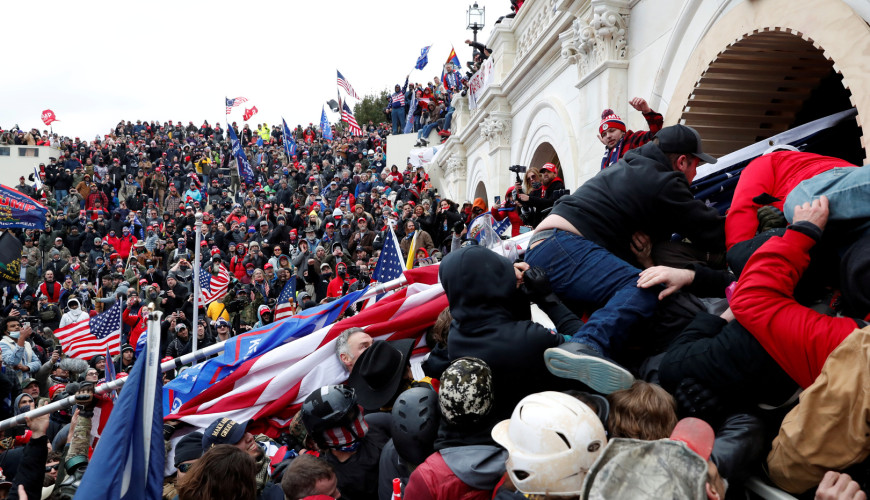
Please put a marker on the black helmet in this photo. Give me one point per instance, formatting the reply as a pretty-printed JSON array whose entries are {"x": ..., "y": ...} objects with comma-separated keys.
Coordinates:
[
  {"x": 415, "y": 424},
  {"x": 329, "y": 407}
]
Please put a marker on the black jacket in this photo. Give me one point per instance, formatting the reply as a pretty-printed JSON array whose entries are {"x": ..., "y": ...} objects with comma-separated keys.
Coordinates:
[
  {"x": 728, "y": 360},
  {"x": 485, "y": 304},
  {"x": 641, "y": 192}
]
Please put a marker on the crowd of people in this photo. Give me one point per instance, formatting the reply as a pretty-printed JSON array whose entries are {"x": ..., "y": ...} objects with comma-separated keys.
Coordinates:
[{"x": 686, "y": 350}]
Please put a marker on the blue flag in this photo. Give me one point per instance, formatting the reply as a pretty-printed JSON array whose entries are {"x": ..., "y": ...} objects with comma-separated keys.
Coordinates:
[
  {"x": 20, "y": 210},
  {"x": 289, "y": 142},
  {"x": 423, "y": 60},
  {"x": 250, "y": 345},
  {"x": 245, "y": 170},
  {"x": 128, "y": 463},
  {"x": 110, "y": 368},
  {"x": 324, "y": 126}
]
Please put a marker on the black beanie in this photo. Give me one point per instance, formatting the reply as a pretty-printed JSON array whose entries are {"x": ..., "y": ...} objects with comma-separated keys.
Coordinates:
[
  {"x": 188, "y": 448},
  {"x": 855, "y": 278}
]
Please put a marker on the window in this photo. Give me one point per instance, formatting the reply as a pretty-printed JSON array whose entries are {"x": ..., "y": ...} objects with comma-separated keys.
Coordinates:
[
  {"x": 4, "y": 151},
  {"x": 32, "y": 152}
]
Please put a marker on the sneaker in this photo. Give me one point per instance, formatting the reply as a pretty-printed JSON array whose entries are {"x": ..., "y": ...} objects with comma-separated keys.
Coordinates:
[
  {"x": 424, "y": 142},
  {"x": 580, "y": 362}
]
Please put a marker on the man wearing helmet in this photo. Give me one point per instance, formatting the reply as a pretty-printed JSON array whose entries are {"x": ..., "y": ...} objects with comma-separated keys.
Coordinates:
[{"x": 335, "y": 422}]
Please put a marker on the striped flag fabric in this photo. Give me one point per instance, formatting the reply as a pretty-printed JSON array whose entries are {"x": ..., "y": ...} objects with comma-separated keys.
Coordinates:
[
  {"x": 213, "y": 287},
  {"x": 390, "y": 265},
  {"x": 270, "y": 388},
  {"x": 342, "y": 82},
  {"x": 37, "y": 179},
  {"x": 92, "y": 336},
  {"x": 286, "y": 300},
  {"x": 242, "y": 348},
  {"x": 232, "y": 103},
  {"x": 347, "y": 117}
]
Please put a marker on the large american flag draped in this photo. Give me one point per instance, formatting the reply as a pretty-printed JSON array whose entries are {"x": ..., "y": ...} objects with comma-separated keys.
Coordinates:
[
  {"x": 213, "y": 287},
  {"x": 347, "y": 116},
  {"x": 285, "y": 307},
  {"x": 269, "y": 389},
  {"x": 342, "y": 82},
  {"x": 92, "y": 336},
  {"x": 232, "y": 103}
]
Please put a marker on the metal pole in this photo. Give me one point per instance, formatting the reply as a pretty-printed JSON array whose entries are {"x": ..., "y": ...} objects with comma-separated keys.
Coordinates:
[
  {"x": 172, "y": 364},
  {"x": 196, "y": 289}
]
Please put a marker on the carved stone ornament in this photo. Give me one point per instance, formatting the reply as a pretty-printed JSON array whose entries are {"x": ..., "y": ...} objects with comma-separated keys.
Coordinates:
[
  {"x": 495, "y": 130},
  {"x": 597, "y": 38},
  {"x": 535, "y": 25},
  {"x": 456, "y": 167}
]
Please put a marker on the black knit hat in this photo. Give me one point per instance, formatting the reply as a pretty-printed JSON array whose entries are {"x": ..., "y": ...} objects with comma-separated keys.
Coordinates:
[{"x": 855, "y": 278}]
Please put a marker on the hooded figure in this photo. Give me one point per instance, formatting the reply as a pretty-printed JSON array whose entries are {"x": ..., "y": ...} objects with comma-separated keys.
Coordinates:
[
  {"x": 75, "y": 313},
  {"x": 485, "y": 302}
]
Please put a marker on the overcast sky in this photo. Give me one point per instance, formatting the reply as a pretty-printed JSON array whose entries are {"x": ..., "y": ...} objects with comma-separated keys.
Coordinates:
[{"x": 95, "y": 63}]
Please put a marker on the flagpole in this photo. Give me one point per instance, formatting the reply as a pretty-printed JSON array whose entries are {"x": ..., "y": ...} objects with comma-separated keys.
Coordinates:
[
  {"x": 196, "y": 288},
  {"x": 173, "y": 364},
  {"x": 152, "y": 371}
]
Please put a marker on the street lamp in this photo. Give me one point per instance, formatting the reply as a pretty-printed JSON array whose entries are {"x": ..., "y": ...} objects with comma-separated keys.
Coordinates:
[{"x": 476, "y": 19}]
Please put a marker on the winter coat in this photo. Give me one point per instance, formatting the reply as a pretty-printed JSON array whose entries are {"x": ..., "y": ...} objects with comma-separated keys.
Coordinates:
[
  {"x": 490, "y": 322},
  {"x": 641, "y": 192}
]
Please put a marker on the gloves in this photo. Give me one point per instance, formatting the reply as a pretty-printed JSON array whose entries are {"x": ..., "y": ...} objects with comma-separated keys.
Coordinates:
[
  {"x": 536, "y": 286},
  {"x": 770, "y": 218},
  {"x": 696, "y": 400}
]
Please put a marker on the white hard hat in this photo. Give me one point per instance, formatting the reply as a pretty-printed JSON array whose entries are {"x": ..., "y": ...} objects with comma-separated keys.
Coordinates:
[{"x": 552, "y": 440}]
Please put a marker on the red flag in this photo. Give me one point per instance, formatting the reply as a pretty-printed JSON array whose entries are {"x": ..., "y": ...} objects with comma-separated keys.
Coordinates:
[
  {"x": 249, "y": 113},
  {"x": 48, "y": 117}
]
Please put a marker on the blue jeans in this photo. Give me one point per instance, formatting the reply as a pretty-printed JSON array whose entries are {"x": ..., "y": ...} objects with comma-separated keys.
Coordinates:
[
  {"x": 448, "y": 117},
  {"x": 426, "y": 130},
  {"x": 398, "y": 116},
  {"x": 60, "y": 194},
  {"x": 847, "y": 189},
  {"x": 583, "y": 271}
]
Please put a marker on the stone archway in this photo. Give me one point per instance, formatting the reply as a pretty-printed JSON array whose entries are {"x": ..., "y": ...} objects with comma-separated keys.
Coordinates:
[
  {"x": 818, "y": 40},
  {"x": 480, "y": 192},
  {"x": 764, "y": 84},
  {"x": 545, "y": 153}
]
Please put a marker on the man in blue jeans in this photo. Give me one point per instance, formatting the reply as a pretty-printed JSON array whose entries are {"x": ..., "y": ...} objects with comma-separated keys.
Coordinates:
[
  {"x": 397, "y": 108},
  {"x": 584, "y": 245}
]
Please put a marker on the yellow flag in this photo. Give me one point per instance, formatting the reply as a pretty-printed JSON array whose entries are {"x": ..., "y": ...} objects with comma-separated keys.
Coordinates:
[{"x": 411, "y": 251}]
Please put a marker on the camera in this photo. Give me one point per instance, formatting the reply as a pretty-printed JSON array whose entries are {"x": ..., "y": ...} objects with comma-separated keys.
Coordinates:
[{"x": 518, "y": 169}]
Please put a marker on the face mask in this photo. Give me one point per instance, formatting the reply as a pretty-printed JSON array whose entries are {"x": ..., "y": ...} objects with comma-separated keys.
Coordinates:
[
  {"x": 250, "y": 272},
  {"x": 15, "y": 335},
  {"x": 350, "y": 448}
]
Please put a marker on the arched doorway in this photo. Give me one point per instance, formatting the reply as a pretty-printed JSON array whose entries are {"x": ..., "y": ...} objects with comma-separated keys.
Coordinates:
[
  {"x": 765, "y": 83},
  {"x": 545, "y": 153},
  {"x": 480, "y": 192}
]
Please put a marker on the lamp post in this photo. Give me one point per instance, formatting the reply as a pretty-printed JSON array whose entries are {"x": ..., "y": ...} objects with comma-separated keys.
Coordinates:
[{"x": 476, "y": 19}]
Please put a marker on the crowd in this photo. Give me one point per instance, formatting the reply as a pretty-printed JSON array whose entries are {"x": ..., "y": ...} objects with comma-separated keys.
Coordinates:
[{"x": 661, "y": 310}]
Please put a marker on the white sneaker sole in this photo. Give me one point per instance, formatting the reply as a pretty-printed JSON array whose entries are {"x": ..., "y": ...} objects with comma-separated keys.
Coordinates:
[{"x": 599, "y": 374}]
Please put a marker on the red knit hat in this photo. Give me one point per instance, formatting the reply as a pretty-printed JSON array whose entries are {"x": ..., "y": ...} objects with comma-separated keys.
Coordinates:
[{"x": 609, "y": 119}]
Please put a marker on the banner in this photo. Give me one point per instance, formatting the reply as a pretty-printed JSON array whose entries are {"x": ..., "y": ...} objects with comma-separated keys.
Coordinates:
[
  {"x": 48, "y": 117},
  {"x": 479, "y": 82},
  {"x": 10, "y": 258},
  {"x": 19, "y": 210}
]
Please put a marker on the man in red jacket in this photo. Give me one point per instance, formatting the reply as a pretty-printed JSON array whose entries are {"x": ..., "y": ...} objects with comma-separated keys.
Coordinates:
[{"x": 828, "y": 356}]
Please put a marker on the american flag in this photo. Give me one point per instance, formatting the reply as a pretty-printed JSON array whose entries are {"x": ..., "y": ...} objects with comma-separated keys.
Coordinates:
[
  {"x": 347, "y": 116},
  {"x": 285, "y": 307},
  {"x": 269, "y": 389},
  {"x": 390, "y": 265},
  {"x": 212, "y": 287},
  {"x": 342, "y": 82},
  {"x": 92, "y": 336},
  {"x": 232, "y": 103}
]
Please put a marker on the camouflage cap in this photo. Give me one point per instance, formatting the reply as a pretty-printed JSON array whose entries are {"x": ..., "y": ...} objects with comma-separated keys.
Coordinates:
[
  {"x": 631, "y": 468},
  {"x": 466, "y": 391}
]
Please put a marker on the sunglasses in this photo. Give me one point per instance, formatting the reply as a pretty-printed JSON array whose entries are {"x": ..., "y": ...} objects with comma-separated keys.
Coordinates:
[
  {"x": 184, "y": 467},
  {"x": 49, "y": 468}
]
